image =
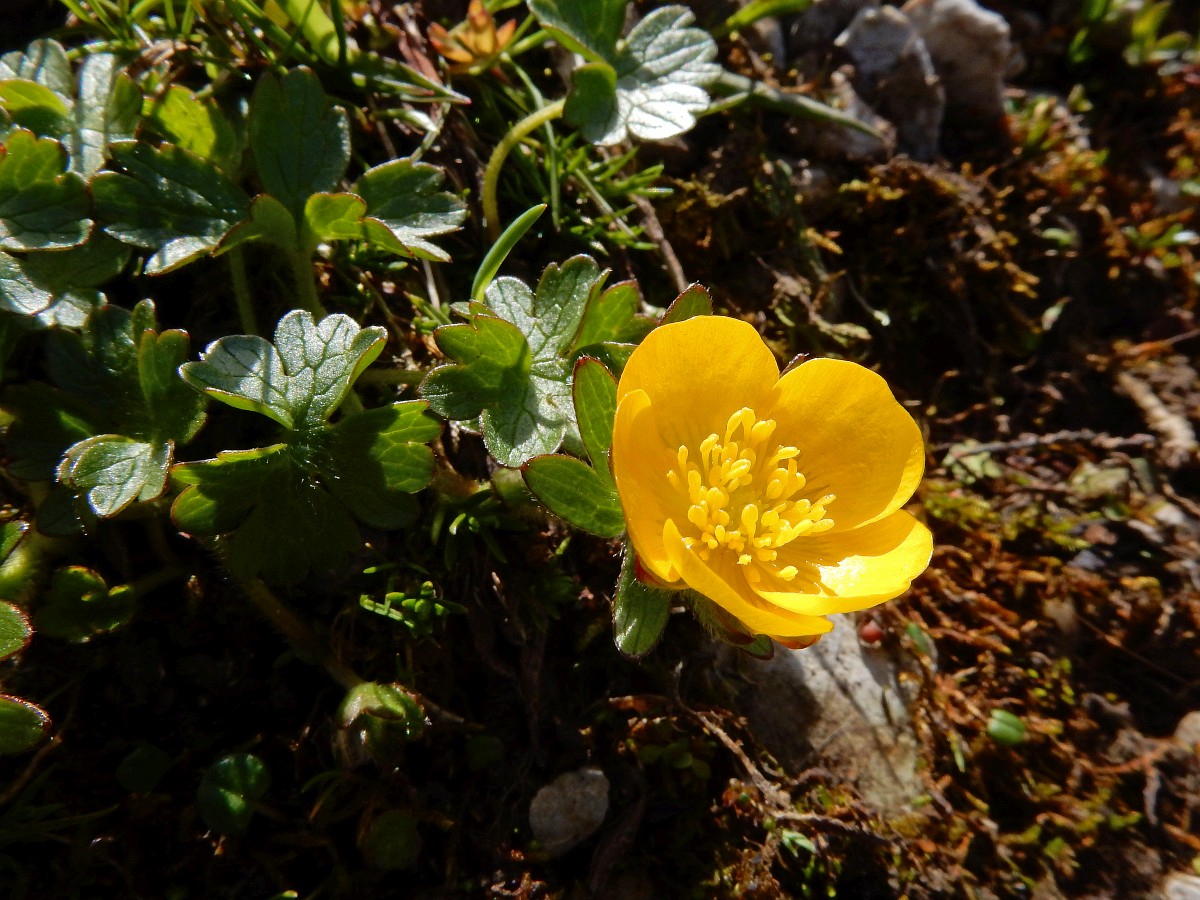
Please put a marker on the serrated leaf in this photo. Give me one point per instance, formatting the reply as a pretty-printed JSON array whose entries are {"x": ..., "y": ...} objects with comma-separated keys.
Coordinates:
[
  {"x": 300, "y": 140},
  {"x": 197, "y": 125},
  {"x": 112, "y": 471},
  {"x": 229, "y": 791},
  {"x": 79, "y": 605},
  {"x": 300, "y": 379},
  {"x": 406, "y": 197},
  {"x": 550, "y": 318},
  {"x": 169, "y": 201},
  {"x": 640, "y": 612},
  {"x": 22, "y": 725},
  {"x": 591, "y": 104},
  {"x": 589, "y": 27},
  {"x": 14, "y": 630},
  {"x": 511, "y": 368},
  {"x": 574, "y": 491},
  {"x": 661, "y": 71},
  {"x": 594, "y": 392},
  {"x": 59, "y": 287},
  {"x": 42, "y": 205},
  {"x": 694, "y": 301}
]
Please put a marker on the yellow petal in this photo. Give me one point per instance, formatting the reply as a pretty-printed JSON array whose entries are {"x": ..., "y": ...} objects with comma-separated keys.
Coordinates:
[
  {"x": 699, "y": 372},
  {"x": 640, "y": 462},
  {"x": 856, "y": 442},
  {"x": 852, "y": 569},
  {"x": 725, "y": 585}
]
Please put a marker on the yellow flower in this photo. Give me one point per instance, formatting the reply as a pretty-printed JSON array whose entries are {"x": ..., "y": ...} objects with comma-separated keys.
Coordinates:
[{"x": 777, "y": 498}]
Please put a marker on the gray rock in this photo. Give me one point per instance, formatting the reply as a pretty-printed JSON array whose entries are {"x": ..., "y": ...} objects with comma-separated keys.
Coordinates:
[
  {"x": 894, "y": 74},
  {"x": 1181, "y": 887},
  {"x": 1187, "y": 732},
  {"x": 569, "y": 810},
  {"x": 971, "y": 51},
  {"x": 841, "y": 702},
  {"x": 813, "y": 31}
]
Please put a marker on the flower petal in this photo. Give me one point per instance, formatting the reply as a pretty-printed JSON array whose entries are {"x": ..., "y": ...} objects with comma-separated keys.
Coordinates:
[
  {"x": 853, "y": 569},
  {"x": 640, "y": 461},
  {"x": 722, "y": 583},
  {"x": 698, "y": 372},
  {"x": 855, "y": 440}
]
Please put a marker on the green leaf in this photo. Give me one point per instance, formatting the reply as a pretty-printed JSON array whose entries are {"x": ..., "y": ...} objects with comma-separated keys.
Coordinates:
[
  {"x": 658, "y": 83},
  {"x": 591, "y": 104},
  {"x": 406, "y": 197},
  {"x": 169, "y": 201},
  {"x": 550, "y": 319},
  {"x": 393, "y": 841},
  {"x": 512, "y": 370},
  {"x": 300, "y": 379},
  {"x": 574, "y": 491},
  {"x": 640, "y": 612},
  {"x": 1005, "y": 728},
  {"x": 694, "y": 301},
  {"x": 594, "y": 393},
  {"x": 118, "y": 404},
  {"x": 44, "y": 62},
  {"x": 333, "y": 217},
  {"x": 589, "y": 27},
  {"x": 498, "y": 252},
  {"x": 58, "y": 287},
  {"x": 112, "y": 471},
  {"x": 79, "y": 606},
  {"x": 22, "y": 725},
  {"x": 195, "y": 124},
  {"x": 14, "y": 630},
  {"x": 143, "y": 768},
  {"x": 87, "y": 114},
  {"x": 613, "y": 317},
  {"x": 42, "y": 206},
  {"x": 268, "y": 220},
  {"x": 229, "y": 791},
  {"x": 107, "y": 109},
  {"x": 300, "y": 140},
  {"x": 381, "y": 712}
]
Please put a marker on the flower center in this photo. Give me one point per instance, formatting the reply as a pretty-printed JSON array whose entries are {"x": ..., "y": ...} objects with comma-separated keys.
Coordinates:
[{"x": 741, "y": 491}]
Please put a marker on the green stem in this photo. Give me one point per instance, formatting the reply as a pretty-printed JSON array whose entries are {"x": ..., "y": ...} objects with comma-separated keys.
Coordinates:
[
  {"x": 739, "y": 87},
  {"x": 241, "y": 291},
  {"x": 306, "y": 285},
  {"x": 298, "y": 633},
  {"x": 491, "y": 175},
  {"x": 318, "y": 29}
]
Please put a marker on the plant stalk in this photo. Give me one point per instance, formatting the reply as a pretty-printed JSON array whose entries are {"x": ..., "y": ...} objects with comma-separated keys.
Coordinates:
[
  {"x": 306, "y": 285},
  {"x": 739, "y": 87},
  {"x": 491, "y": 175},
  {"x": 241, "y": 291}
]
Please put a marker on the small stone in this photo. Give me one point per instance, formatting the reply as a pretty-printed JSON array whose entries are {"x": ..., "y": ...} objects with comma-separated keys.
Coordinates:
[
  {"x": 1187, "y": 732},
  {"x": 569, "y": 810},
  {"x": 970, "y": 48},
  {"x": 1181, "y": 887},
  {"x": 894, "y": 74},
  {"x": 814, "y": 30}
]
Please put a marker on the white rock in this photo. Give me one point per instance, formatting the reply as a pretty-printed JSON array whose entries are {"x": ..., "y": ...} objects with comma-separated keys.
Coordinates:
[
  {"x": 568, "y": 810},
  {"x": 971, "y": 50},
  {"x": 894, "y": 74},
  {"x": 839, "y": 702},
  {"x": 1181, "y": 887},
  {"x": 1187, "y": 732}
]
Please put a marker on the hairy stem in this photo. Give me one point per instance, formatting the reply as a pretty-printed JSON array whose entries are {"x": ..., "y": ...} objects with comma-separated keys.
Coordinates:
[
  {"x": 491, "y": 175},
  {"x": 306, "y": 286}
]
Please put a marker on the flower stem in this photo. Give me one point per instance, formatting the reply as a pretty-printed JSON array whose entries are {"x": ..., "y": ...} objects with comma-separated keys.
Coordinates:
[
  {"x": 241, "y": 291},
  {"x": 306, "y": 286},
  {"x": 491, "y": 175},
  {"x": 298, "y": 633}
]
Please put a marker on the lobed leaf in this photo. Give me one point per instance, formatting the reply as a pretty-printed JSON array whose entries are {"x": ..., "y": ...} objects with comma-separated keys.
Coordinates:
[
  {"x": 112, "y": 471},
  {"x": 229, "y": 791},
  {"x": 300, "y": 379},
  {"x": 589, "y": 27},
  {"x": 406, "y": 197},
  {"x": 640, "y": 612},
  {"x": 79, "y": 605},
  {"x": 168, "y": 200},
  {"x": 42, "y": 205},
  {"x": 59, "y": 287},
  {"x": 195, "y": 124}
]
